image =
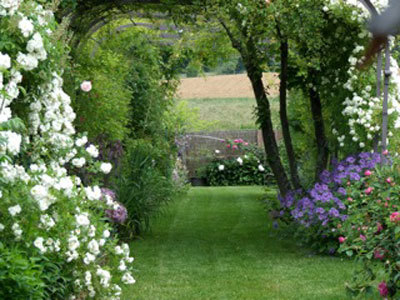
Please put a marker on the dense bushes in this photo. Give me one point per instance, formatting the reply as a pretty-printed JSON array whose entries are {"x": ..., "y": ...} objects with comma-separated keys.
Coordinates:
[
  {"x": 320, "y": 209},
  {"x": 130, "y": 113},
  {"x": 144, "y": 185},
  {"x": 354, "y": 206},
  {"x": 246, "y": 166},
  {"x": 371, "y": 232},
  {"x": 57, "y": 242},
  {"x": 105, "y": 110}
]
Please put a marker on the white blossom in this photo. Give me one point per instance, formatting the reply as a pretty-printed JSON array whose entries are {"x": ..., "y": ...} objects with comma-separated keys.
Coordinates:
[
  {"x": 105, "y": 168},
  {"x": 5, "y": 61},
  {"x": 14, "y": 210},
  {"x": 26, "y": 27},
  {"x": 93, "y": 151}
]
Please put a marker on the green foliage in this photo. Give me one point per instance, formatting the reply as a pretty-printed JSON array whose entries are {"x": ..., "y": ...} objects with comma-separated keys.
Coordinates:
[
  {"x": 188, "y": 118},
  {"x": 145, "y": 184},
  {"x": 21, "y": 277},
  {"x": 105, "y": 109},
  {"x": 247, "y": 167},
  {"x": 372, "y": 230}
]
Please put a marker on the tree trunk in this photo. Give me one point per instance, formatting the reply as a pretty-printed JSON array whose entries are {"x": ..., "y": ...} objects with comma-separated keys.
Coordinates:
[
  {"x": 248, "y": 52},
  {"x": 264, "y": 117},
  {"x": 322, "y": 145},
  {"x": 283, "y": 115}
]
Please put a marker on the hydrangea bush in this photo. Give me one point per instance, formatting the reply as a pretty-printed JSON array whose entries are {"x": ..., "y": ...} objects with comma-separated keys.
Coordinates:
[
  {"x": 371, "y": 232},
  {"x": 47, "y": 215},
  {"x": 324, "y": 207}
]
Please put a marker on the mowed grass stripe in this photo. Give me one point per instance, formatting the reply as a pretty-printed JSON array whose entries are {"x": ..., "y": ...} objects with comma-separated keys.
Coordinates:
[{"x": 217, "y": 243}]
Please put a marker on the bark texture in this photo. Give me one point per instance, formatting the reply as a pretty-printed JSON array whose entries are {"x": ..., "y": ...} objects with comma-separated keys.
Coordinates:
[
  {"x": 284, "y": 47},
  {"x": 322, "y": 145}
]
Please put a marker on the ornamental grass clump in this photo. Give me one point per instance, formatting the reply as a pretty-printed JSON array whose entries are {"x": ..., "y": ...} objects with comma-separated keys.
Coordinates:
[
  {"x": 371, "y": 232},
  {"x": 323, "y": 208}
]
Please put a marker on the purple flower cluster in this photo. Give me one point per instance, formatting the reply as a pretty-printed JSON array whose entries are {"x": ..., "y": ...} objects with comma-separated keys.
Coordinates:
[
  {"x": 120, "y": 213},
  {"x": 323, "y": 203}
]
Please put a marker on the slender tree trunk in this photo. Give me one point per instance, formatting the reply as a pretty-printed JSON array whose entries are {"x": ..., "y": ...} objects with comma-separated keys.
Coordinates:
[
  {"x": 248, "y": 52},
  {"x": 283, "y": 115},
  {"x": 264, "y": 117},
  {"x": 322, "y": 145}
]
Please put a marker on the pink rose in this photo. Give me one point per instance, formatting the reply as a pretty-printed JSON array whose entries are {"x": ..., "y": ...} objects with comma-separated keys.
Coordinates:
[
  {"x": 395, "y": 217},
  {"x": 342, "y": 239},
  {"x": 386, "y": 152},
  {"x": 388, "y": 180},
  {"x": 86, "y": 86},
  {"x": 236, "y": 141},
  {"x": 379, "y": 227},
  {"x": 367, "y": 173},
  {"x": 379, "y": 254},
  {"x": 363, "y": 237},
  {"x": 368, "y": 190},
  {"x": 383, "y": 290},
  {"x": 234, "y": 147}
]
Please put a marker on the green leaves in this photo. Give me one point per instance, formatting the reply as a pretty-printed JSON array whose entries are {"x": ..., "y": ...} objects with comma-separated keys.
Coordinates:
[{"x": 15, "y": 125}]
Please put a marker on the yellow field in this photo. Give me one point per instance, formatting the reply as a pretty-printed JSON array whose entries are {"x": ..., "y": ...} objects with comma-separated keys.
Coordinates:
[{"x": 224, "y": 86}]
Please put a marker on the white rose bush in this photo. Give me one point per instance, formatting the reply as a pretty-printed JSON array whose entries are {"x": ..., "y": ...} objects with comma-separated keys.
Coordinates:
[{"x": 48, "y": 218}]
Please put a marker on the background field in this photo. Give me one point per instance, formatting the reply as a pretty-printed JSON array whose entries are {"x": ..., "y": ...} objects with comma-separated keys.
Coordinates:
[
  {"x": 224, "y": 86},
  {"x": 226, "y": 102}
]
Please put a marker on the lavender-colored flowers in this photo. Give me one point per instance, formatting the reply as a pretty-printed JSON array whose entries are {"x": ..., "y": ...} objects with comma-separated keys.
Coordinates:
[
  {"x": 119, "y": 213},
  {"x": 321, "y": 205}
]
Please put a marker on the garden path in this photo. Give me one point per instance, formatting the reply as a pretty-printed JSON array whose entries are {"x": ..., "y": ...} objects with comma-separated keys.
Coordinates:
[{"x": 217, "y": 243}]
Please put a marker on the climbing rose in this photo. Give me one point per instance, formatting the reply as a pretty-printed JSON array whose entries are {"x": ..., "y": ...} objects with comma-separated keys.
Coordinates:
[
  {"x": 388, "y": 180},
  {"x": 395, "y": 217},
  {"x": 386, "y": 152},
  {"x": 367, "y": 173},
  {"x": 379, "y": 227},
  {"x": 368, "y": 190},
  {"x": 363, "y": 237},
  {"x": 379, "y": 254},
  {"x": 86, "y": 86},
  {"x": 383, "y": 290},
  {"x": 342, "y": 239}
]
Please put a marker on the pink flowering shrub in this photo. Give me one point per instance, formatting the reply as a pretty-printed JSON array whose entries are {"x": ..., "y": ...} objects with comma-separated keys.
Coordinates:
[{"x": 371, "y": 233}]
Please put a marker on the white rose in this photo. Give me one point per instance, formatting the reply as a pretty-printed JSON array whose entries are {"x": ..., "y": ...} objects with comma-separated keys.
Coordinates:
[
  {"x": 26, "y": 27},
  {"x": 14, "y": 210},
  {"x": 106, "y": 168},
  {"x": 93, "y": 151},
  {"x": 5, "y": 61},
  {"x": 86, "y": 86}
]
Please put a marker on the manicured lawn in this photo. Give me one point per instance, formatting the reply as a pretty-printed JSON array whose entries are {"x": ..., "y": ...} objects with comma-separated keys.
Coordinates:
[
  {"x": 230, "y": 113},
  {"x": 217, "y": 243}
]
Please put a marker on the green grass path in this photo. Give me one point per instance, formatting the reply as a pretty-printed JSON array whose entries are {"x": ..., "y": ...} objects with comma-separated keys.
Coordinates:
[{"x": 217, "y": 243}]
